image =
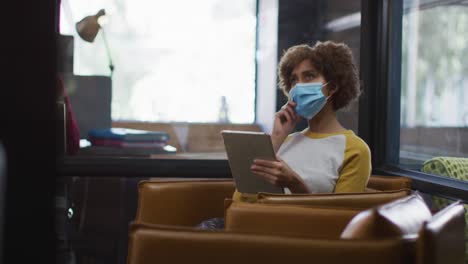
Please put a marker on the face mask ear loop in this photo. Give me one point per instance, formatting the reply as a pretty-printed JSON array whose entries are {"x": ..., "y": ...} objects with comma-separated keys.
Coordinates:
[{"x": 328, "y": 97}]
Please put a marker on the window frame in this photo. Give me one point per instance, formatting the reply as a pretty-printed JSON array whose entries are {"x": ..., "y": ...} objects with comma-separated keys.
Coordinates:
[{"x": 379, "y": 107}]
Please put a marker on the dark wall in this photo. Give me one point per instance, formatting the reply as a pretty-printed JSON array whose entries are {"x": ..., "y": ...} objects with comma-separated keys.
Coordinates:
[
  {"x": 302, "y": 21},
  {"x": 28, "y": 130},
  {"x": 299, "y": 21},
  {"x": 90, "y": 99}
]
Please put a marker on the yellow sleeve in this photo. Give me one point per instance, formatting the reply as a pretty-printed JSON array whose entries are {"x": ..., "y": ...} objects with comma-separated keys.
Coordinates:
[
  {"x": 244, "y": 197},
  {"x": 356, "y": 168}
]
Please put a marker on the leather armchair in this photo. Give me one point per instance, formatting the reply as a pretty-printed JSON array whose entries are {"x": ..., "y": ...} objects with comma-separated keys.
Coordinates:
[
  {"x": 168, "y": 211},
  {"x": 362, "y": 241}
]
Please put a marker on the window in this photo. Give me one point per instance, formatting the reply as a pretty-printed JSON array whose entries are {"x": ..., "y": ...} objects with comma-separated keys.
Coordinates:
[
  {"x": 183, "y": 61},
  {"x": 404, "y": 44},
  {"x": 434, "y": 81}
]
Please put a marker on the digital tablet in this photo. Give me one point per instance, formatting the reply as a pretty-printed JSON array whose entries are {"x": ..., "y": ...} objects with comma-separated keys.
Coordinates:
[{"x": 242, "y": 147}]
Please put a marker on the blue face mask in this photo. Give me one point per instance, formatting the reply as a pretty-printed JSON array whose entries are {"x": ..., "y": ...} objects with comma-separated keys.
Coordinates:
[{"x": 309, "y": 98}]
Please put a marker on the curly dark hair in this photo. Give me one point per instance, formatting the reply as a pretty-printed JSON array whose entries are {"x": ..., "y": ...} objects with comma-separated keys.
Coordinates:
[{"x": 334, "y": 61}]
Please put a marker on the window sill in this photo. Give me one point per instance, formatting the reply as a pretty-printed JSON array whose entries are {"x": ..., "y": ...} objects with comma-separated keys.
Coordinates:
[{"x": 429, "y": 183}]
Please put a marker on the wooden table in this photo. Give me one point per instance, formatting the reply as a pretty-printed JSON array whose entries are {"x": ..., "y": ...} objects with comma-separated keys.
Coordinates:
[{"x": 183, "y": 165}]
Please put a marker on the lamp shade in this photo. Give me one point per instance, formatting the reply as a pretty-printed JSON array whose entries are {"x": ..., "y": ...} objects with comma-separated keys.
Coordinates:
[{"x": 88, "y": 27}]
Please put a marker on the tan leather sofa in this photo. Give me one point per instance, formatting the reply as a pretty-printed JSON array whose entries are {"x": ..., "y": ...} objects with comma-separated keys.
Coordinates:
[
  {"x": 163, "y": 231},
  {"x": 163, "y": 241}
]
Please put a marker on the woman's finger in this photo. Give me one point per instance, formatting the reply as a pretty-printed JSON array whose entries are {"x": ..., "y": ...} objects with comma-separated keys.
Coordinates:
[
  {"x": 292, "y": 113},
  {"x": 281, "y": 114},
  {"x": 271, "y": 171},
  {"x": 286, "y": 113},
  {"x": 292, "y": 103},
  {"x": 266, "y": 163},
  {"x": 292, "y": 107},
  {"x": 269, "y": 178}
]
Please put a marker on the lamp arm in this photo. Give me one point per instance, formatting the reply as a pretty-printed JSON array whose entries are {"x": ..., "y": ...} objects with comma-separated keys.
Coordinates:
[{"x": 106, "y": 44}]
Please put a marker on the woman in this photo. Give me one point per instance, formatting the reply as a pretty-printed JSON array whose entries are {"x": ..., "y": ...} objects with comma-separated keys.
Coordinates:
[{"x": 325, "y": 157}]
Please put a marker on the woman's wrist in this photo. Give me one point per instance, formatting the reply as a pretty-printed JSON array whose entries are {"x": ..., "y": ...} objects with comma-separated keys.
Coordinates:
[
  {"x": 298, "y": 186},
  {"x": 277, "y": 140}
]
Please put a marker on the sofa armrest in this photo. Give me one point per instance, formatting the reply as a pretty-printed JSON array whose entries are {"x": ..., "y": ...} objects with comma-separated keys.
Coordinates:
[
  {"x": 442, "y": 238},
  {"x": 388, "y": 183},
  {"x": 363, "y": 200}
]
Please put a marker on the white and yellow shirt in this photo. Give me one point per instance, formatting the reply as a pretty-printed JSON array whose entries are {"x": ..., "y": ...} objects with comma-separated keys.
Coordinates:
[{"x": 337, "y": 162}]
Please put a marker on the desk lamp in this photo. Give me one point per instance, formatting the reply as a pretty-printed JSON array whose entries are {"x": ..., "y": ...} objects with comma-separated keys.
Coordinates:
[{"x": 88, "y": 28}]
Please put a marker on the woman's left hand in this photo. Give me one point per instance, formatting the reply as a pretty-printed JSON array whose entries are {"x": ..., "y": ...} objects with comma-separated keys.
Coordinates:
[{"x": 279, "y": 174}]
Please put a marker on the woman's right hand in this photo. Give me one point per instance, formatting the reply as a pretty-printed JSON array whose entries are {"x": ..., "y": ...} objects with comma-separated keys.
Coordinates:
[{"x": 285, "y": 121}]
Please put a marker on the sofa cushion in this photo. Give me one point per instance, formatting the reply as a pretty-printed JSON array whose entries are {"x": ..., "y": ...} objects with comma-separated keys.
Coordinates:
[
  {"x": 352, "y": 200},
  {"x": 400, "y": 218}
]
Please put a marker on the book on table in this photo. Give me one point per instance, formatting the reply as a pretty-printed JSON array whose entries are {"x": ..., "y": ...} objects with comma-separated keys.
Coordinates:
[
  {"x": 128, "y": 135},
  {"x": 127, "y": 144},
  {"x": 125, "y": 141}
]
